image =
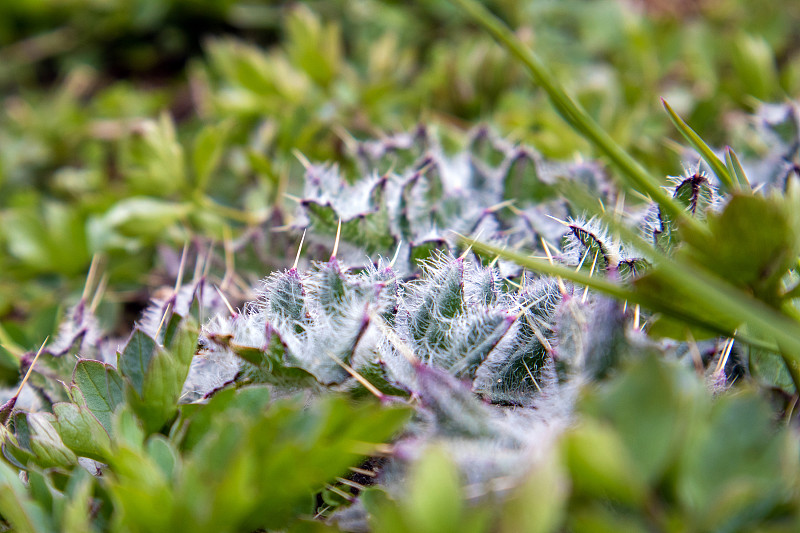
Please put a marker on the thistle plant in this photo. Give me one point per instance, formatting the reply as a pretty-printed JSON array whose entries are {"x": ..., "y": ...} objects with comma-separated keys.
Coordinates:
[
  {"x": 353, "y": 328},
  {"x": 412, "y": 195}
]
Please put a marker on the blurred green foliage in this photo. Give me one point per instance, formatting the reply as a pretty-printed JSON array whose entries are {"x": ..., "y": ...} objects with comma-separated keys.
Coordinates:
[{"x": 650, "y": 451}]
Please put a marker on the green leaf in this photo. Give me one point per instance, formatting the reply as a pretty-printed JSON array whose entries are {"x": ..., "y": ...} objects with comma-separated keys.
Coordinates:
[
  {"x": 646, "y": 406},
  {"x": 16, "y": 506},
  {"x": 601, "y": 465},
  {"x": 81, "y": 432},
  {"x": 161, "y": 390},
  {"x": 163, "y": 454},
  {"x": 46, "y": 444},
  {"x": 209, "y": 145},
  {"x": 251, "y": 467},
  {"x": 76, "y": 515},
  {"x": 16, "y": 446},
  {"x": 166, "y": 375},
  {"x": 153, "y": 163},
  {"x": 748, "y": 476},
  {"x": 385, "y": 515},
  {"x": 735, "y": 169},
  {"x": 140, "y": 217},
  {"x": 751, "y": 244},
  {"x": 102, "y": 388},
  {"x": 539, "y": 505},
  {"x": 313, "y": 46},
  {"x": 128, "y": 429},
  {"x": 599, "y": 517},
  {"x": 143, "y": 498},
  {"x": 753, "y": 59},
  {"x": 47, "y": 238},
  {"x": 435, "y": 498},
  {"x": 249, "y": 401},
  {"x": 135, "y": 359}
]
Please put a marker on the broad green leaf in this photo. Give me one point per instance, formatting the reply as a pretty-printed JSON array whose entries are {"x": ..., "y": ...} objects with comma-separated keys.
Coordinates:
[
  {"x": 76, "y": 515},
  {"x": 314, "y": 47},
  {"x": 163, "y": 454},
  {"x": 48, "y": 238},
  {"x": 164, "y": 379},
  {"x": 751, "y": 244},
  {"x": 153, "y": 163},
  {"x": 142, "y": 217},
  {"x": 745, "y": 479},
  {"x": 16, "y": 506},
  {"x": 42, "y": 491},
  {"x": 647, "y": 406},
  {"x": 127, "y": 428},
  {"x": 252, "y": 466},
  {"x": 385, "y": 515},
  {"x": 161, "y": 389},
  {"x": 768, "y": 367},
  {"x": 81, "y": 432},
  {"x": 46, "y": 444},
  {"x": 539, "y": 504},
  {"x": 601, "y": 466},
  {"x": 435, "y": 497},
  {"x": 16, "y": 445},
  {"x": 102, "y": 388},
  {"x": 598, "y": 517},
  {"x": 249, "y": 401},
  {"x": 143, "y": 497},
  {"x": 135, "y": 358},
  {"x": 209, "y": 145},
  {"x": 753, "y": 59}
]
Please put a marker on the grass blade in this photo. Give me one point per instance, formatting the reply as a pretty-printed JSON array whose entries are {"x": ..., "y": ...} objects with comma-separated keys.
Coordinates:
[
  {"x": 702, "y": 148},
  {"x": 736, "y": 170}
]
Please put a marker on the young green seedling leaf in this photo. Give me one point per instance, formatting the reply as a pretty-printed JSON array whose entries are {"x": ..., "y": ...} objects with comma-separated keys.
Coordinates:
[{"x": 735, "y": 169}]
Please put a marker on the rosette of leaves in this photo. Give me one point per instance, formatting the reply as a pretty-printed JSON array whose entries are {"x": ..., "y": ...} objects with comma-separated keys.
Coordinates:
[
  {"x": 411, "y": 193},
  {"x": 696, "y": 194},
  {"x": 368, "y": 329}
]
